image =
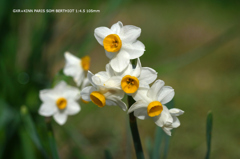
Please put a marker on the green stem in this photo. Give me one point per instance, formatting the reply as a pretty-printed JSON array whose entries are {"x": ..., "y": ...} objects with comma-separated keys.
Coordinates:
[
  {"x": 209, "y": 133},
  {"x": 134, "y": 130}
]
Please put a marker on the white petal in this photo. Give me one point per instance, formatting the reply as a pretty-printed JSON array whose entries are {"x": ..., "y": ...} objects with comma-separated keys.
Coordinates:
[
  {"x": 71, "y": 59},
  {"x": 70, "y": 92},
  {"x": 73, "y": 68},
  {"x": 79, "y": 77},
  {"x": 102, "y": 89},
  {"x": 135, "y": 49},
  {"x": 113, "y": 93},
  {"x": 167, "y": 130},
  {"x": 114, "y": 81},
  {"x": 130, "y": 33},
  {"x": 121, "y": 104},
  {"x": 60, "y": 118},
  {"x": 47, "y": 109},
  {"x": 143, "y": 84},
  {"x": 74, "y": 71},
  {"x": 164, "y": 118},
  {"x": 60, "y": 86},
  {"x": 48, "y": 95},
  {"x": 89, "y": 76},
  {"x": 85, "y": 93},
  {"x": 115, "y": 101},
  {"x": 100, "y": 33},
  {"x": 166, "y": 94},
  {"x": 141, "y": 94},
  {"x": 96, "y": 80},
  {"x": 138, "y": 105},
  {"x": 110, "y": 55},
  {"x": 141, "y": 113},
  {"x": 156, "y": 87},
  {"x": 148, "y": 75},
  {"x": 120, "y": 62},
  {"x": 103, "y": 75},
  {"x": 136, "y": 72},
  {"x": 110, "y": 103},
  {"x": 85, "y": 83},
  {"x": 176, "y": 112},
  {"x": 127, "y": 71},
  {"x": 116, "y": 28},
  {"x": 109, "y": 70},
  {"x": 176, "y": 122},
  {"x": 72, "y": 107}
]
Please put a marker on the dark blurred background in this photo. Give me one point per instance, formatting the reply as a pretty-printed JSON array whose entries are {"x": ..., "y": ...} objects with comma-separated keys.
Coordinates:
[{"x": 194, "y": 46}]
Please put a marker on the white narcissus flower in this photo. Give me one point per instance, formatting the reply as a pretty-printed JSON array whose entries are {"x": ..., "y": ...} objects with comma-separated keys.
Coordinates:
[
  {"x": 150, "y": 104},
  {"x": 59, "y": 102},
  {"x": 102, "y": 95},
  {"x": 120, "y": 44},
  {"x": 131, "y": 79},
  {"x": 76, "y": 67}
]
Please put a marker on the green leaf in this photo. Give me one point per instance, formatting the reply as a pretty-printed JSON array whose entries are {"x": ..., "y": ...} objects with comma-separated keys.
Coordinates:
[
  {"x": 51, "y": 140},
  {"x": 166, "y": 146},
  {"x": 149, "y": 146},
  {"x": 31, "y": 130},
  {"x": 26, "y": 145},
  {"x": 9, "y": 123},
  {"x": 107, "y": 154},
  {"x": 157, "y": 143},
  {"x": 209, "y": 133}
]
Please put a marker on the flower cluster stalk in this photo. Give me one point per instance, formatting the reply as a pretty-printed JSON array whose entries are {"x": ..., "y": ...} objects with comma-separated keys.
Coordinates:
[{"x": 134, "y": 131}]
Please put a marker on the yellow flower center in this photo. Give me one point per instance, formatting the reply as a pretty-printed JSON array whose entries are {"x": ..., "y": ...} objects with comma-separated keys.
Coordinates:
[
  {"x": 154, "y": 108},
  {"x": 61, "y": 103},
  {"x": 129, "y": 84},
  {"x": 112, "y": 43},
  {"x": 98, "y": 99},
  {"x": 85, "y": 62}
]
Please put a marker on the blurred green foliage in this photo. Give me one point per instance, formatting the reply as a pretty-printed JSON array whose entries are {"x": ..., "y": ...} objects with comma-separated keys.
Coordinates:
[{"x": 194, "y": 45}]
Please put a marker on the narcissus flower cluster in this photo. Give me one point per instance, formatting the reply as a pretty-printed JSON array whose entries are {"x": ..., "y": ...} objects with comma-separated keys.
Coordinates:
[{"x": 121, "y": 76}]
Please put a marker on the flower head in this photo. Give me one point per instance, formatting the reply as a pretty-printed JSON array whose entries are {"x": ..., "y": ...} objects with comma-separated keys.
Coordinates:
[
  {"x": 59, "y": 102},
  {"x": 76, "y": 67},
  {"x": 120, "y": 44},
  {"x": 101, "y": 94},
  {"x": 131, "y": 79},
  {"x": 150, "y": 104}
]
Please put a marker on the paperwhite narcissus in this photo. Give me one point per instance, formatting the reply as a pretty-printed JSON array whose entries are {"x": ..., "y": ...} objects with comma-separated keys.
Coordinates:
[
  {"x": 76, "y": 67},
  {"x": 131, "y": 79},
  {"x": 102, "y": 95},
  {"x": 150, "y": 104},
  {"x": 120, "y": 44},
  {"x": 59, "y": 102}
]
